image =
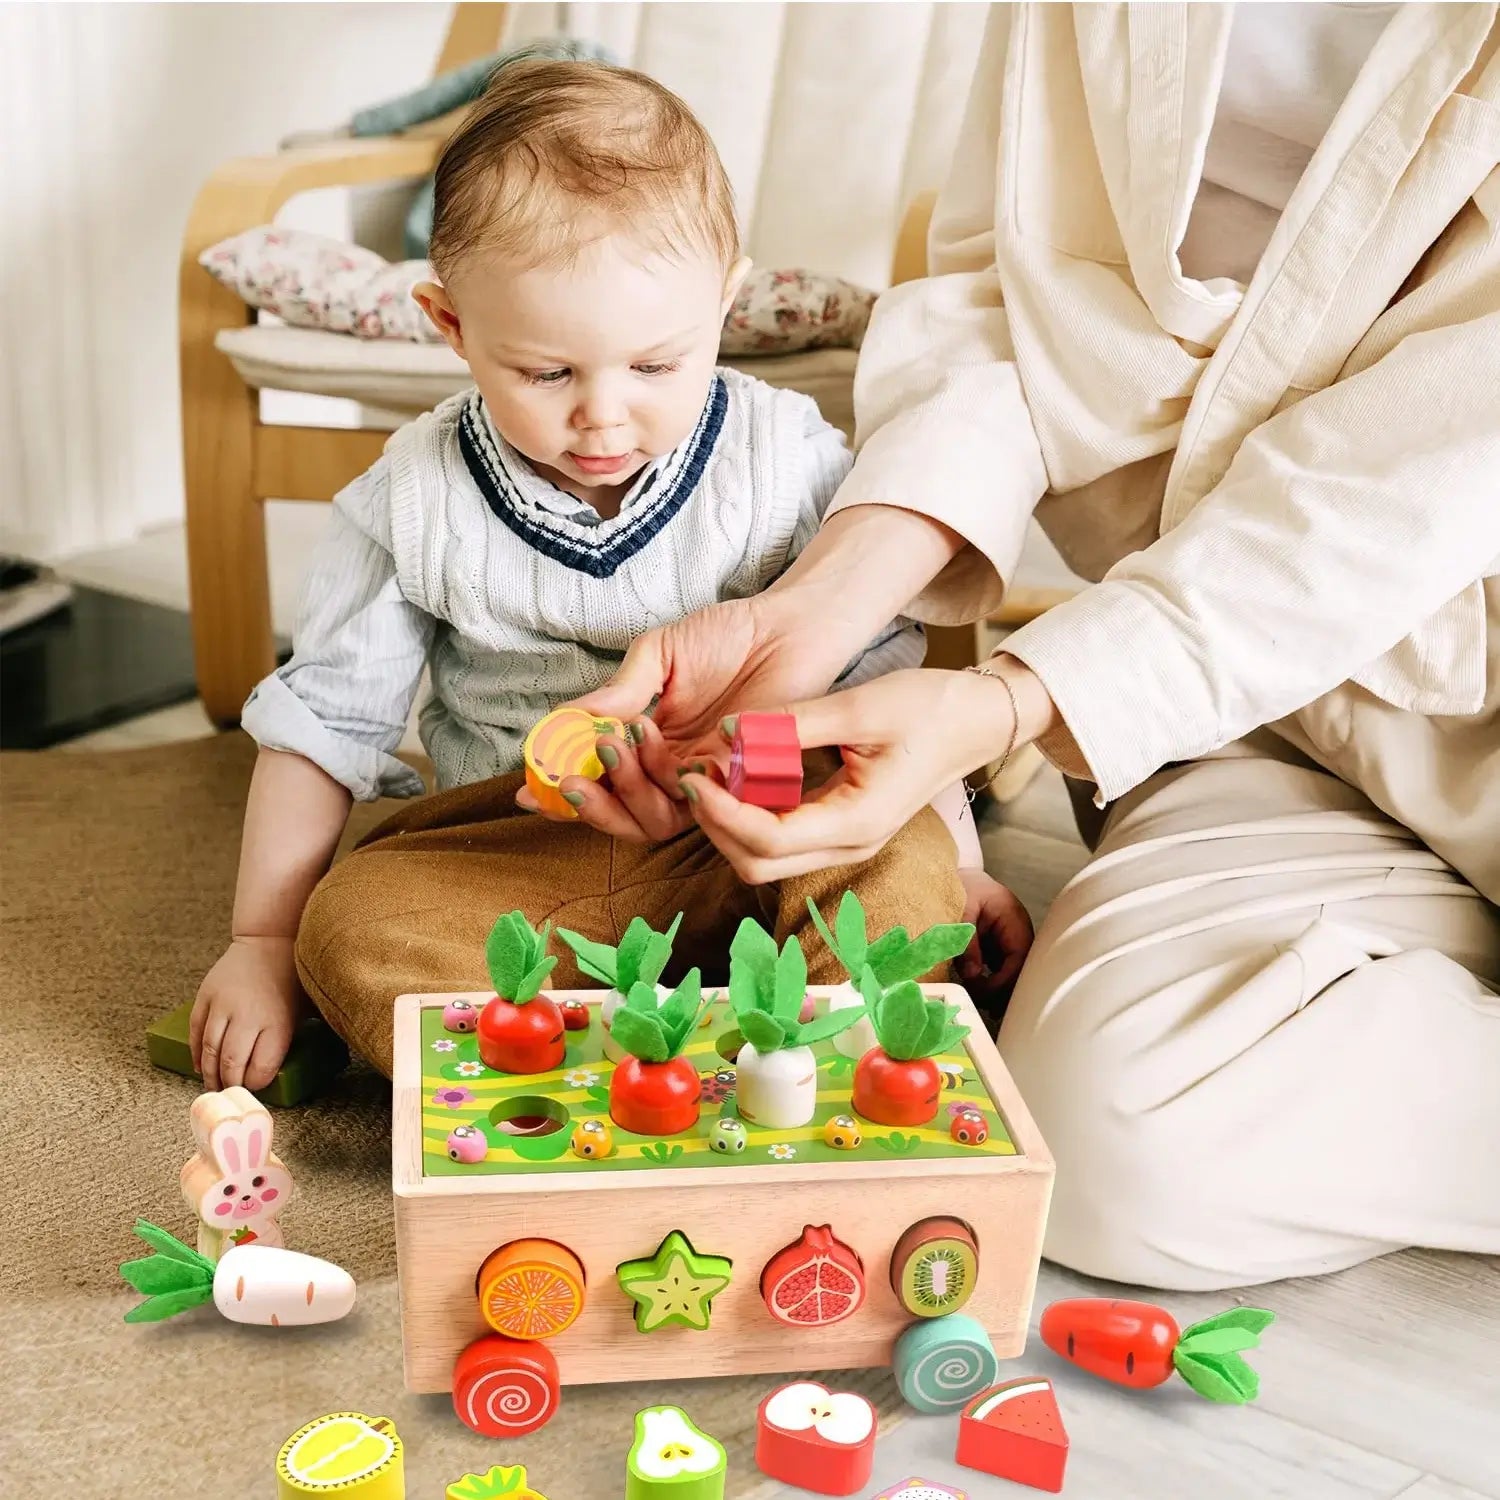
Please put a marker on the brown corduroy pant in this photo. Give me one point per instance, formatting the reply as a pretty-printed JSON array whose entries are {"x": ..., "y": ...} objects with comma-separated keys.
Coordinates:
[{"x": 408, "y": 910}]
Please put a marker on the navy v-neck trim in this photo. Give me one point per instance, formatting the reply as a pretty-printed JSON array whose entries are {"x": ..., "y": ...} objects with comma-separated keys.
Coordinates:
[{"x": 598, "y": 558}]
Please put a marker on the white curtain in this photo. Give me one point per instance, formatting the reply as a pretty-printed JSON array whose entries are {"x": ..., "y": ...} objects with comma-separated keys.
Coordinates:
[{"x": 830, "y": 118}]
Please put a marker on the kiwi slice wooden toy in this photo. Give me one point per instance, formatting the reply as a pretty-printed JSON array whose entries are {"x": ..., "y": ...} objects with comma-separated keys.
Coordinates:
[{"x": 934, "y": 1267}]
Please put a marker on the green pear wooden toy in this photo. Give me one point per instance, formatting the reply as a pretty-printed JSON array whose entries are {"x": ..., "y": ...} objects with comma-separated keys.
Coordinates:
[{"x": 671, "y": 1459}]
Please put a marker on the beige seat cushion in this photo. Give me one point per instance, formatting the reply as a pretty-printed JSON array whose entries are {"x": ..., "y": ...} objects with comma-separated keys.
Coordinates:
[{"x": 398, "y": 377}]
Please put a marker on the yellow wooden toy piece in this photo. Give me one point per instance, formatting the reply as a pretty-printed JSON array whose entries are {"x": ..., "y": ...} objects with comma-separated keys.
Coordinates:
[
  {"x": 562, "y": 745},
  {"x": 842, "y": 1132},
  {"x": 509, "y": 1481},
  {"x": 345, "y": 1453},
  {"x": 592, "y": 1140},
  {"x": 235, "y": 1184}
]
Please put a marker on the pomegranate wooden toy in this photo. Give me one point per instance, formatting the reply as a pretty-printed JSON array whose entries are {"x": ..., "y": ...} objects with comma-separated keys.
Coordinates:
[
  {"x": 817, "y": 1440},
  {"x": 1015, "y": 1431},
  {"x": 765, "y": 761},
  {"x": 563, "y": 744},
  {"x": 235, "y": 1184},
  {"x": 701, "y": 1242}
]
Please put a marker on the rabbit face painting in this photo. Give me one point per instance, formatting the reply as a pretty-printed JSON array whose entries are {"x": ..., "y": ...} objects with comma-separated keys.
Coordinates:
[{"x": 236, "y": 1185}]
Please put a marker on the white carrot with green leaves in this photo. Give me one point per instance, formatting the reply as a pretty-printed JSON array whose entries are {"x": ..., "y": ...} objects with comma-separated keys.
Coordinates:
[
  {"x": 893, "y": 957},
  {"x": 248, "y": 1284},
  {"x": 640, "y": 958},
  {"x": 776, "y": 1072}
]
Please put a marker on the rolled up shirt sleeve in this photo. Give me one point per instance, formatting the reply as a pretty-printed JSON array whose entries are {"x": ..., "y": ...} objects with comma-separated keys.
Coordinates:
[
  {"x": 942, "y": 423},
  {"x": 359, "y": 649},
  {"x": 1348, "y": 540}
]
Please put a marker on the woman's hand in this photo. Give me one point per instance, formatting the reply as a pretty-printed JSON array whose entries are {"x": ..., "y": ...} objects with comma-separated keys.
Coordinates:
[
  {"x": 1003, "y": 935},
  {"x": 741, "y": 654},
  {"x": 903, "y": 737}
]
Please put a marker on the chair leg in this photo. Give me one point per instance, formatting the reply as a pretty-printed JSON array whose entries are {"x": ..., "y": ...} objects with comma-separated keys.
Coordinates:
[{"x": 228, "y": 579}]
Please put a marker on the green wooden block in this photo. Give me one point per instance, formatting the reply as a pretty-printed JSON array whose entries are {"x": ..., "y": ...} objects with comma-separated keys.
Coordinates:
[
  {"x": 317, "y": 1056},
  {"x": 673, "y": 1460}
]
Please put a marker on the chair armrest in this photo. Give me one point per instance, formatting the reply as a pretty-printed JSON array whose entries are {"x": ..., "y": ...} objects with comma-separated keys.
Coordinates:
[{"x": 909, "y": 260}]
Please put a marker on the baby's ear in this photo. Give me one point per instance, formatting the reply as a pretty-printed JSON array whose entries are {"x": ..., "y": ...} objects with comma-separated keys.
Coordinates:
[
  {"x": 438, "y": 305},
  {"x": 734, "y": 279}
]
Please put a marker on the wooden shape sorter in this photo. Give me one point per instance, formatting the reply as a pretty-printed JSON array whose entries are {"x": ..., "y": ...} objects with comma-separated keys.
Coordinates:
[{"x": 747, "y": 1206}]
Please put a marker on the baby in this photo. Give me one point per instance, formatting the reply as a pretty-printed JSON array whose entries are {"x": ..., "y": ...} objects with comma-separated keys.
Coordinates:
[{"x": 601, "y": 478}]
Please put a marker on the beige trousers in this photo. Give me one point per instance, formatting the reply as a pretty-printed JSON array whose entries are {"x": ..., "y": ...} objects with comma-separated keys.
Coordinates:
[{"x": 1261, "y": 1035}]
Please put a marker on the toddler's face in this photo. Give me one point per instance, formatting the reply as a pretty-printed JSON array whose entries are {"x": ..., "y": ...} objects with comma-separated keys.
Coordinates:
[{"x": 593, "y": 370}]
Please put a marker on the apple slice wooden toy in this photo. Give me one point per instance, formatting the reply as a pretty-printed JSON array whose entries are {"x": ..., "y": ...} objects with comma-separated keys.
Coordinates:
[
  {"x": 671, "y": 1459},
  {"x": 808, "y": 1436},
  {"x": 248, "y": 1283},
  {"x": 1015, "y": 1431}
]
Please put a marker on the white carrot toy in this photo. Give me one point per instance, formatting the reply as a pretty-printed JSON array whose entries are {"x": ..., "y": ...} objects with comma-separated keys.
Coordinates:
[
  {"x": 235, "y": 1184},
  {"x": 249, "y": 1283}
]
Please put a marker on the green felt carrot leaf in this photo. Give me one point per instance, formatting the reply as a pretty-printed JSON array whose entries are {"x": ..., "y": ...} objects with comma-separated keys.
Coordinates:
[
  {"x": 820, "y": 1028},
  {"x": 765, "y": 1033},
  {"x": 908, "y": 1024},
  {"x": 516, "y": 954},
  {"x": 893, "y": 956},
  {"x": 1225, "y": 1378},
  {"x": 641, "y": 957},
  {"x": 768, "y": 985},
  {"x": 1253, "y": 1319},
  {"x": 640, "y": 1035},
  {"x": 1219, "y": 1341},
  {"x": 174, "y": 1278}
]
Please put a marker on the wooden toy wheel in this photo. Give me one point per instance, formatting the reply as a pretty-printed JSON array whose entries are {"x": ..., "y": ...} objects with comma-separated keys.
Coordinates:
[
  {"x": 505, "y": 1388},
  {"x": 531, "y": 1289}
]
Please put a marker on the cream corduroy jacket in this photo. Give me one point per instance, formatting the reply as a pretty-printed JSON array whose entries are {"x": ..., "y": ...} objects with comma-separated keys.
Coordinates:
[{"x": 1284, "y": 486}]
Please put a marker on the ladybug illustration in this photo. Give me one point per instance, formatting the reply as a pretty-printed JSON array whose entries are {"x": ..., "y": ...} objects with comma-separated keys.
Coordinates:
[
  {"x": 842, "y": 1132},
  {"x": 459, "y": 1015},
  {"x": 717, "y": 1087},
  {"x": 592, "y": 1140},
  {"x": 728, "y": 1137},
  {"x": 969, "y": 1128}
]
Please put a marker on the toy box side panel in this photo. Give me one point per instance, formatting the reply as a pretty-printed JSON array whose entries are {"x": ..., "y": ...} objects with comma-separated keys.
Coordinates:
[{"x": 442, "y": 1240}]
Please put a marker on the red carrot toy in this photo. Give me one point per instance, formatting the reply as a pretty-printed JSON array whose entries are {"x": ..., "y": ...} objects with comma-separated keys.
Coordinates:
[{"x": 1138, "y": 1345}]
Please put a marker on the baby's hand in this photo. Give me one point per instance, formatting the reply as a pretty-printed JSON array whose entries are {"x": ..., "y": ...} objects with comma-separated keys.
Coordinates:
[
  {"x": 1001, "y": 941},
  {"x": 245, "y": 1013}
]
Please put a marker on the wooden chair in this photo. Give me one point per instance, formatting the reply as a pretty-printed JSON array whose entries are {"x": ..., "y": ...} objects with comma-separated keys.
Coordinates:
[{"x": 234, "y": 463}]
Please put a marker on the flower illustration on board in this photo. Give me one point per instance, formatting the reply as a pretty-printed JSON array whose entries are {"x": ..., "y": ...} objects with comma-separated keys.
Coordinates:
[
  {"x": 782, "y": 1152},
  {"x": 580, "y": 1078},
  {"x": 469, "y": 1069},
  {"x": 445, "y": 1044},
  {"x": 453, "y": 1097}
]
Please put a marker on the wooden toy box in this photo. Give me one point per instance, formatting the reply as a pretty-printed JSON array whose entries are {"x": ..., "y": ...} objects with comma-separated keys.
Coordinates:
[{"x": 450, "y": 1216}]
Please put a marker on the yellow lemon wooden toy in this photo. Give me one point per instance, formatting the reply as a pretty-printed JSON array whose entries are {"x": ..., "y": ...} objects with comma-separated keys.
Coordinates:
[
  {"x": 561, "y": 745},
  {"x": 345, "y": 1453},
  {"x": 842, "y": 1133}
]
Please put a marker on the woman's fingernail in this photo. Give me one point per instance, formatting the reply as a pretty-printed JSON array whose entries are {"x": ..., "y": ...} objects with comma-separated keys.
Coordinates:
[
  {"x": 609, "y": 758},
  {"x": 728, "y": 725},
  {"x": 638, "y": 732},
  {"x": 689, "y": 791},
  {"x": 573, "y": 799}
]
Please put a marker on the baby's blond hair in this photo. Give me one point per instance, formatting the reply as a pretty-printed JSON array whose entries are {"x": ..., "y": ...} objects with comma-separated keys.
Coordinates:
[{"x": 555, "y": 154}]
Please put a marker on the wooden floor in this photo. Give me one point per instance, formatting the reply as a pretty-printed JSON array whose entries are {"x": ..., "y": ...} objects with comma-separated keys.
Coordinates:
[{"x": 1379, "y": 1381}]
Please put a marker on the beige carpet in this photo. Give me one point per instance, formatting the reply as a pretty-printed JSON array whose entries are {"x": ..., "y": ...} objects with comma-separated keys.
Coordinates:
[{"x": 116, "y": 871}]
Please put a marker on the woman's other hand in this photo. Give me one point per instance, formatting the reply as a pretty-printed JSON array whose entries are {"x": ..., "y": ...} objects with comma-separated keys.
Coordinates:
[{"x": 904, "y": 738}]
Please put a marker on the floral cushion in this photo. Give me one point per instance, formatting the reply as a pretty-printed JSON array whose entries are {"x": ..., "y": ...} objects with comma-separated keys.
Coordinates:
[{"x": 311, "y": 281}]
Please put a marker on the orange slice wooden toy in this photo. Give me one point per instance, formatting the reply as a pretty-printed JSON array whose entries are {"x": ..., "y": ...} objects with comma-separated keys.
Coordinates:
[{"x": 531, "y": 1289}]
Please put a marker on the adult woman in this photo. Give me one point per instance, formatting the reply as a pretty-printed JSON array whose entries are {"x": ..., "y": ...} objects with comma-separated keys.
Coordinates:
[{"x": 1238, "y": 348}]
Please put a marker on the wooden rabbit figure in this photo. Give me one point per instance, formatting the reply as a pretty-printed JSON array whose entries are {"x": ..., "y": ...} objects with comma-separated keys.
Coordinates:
[{"x": 235, "y": 1184}]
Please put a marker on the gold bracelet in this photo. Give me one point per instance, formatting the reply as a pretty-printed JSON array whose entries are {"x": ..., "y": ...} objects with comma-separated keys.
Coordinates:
[{"x": 1015, "y": 725}]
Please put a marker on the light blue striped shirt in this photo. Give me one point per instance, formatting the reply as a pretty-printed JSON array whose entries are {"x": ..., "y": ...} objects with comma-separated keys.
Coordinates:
[{"x": 453, "y": 555}]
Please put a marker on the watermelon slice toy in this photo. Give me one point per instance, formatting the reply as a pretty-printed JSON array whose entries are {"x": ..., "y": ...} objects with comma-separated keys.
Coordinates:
[{"x": 1015, "y": 1431}]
